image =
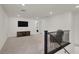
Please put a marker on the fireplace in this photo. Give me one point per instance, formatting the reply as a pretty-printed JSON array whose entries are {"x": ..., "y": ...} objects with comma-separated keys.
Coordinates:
[{"x": 23, "y": 33}]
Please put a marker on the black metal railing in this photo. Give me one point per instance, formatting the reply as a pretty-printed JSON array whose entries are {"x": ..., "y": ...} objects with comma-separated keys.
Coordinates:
[{"x": 51, "y": 45}]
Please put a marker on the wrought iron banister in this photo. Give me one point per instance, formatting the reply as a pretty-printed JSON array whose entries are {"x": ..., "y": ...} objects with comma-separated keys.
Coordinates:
[{"x": 46, "y": 33}]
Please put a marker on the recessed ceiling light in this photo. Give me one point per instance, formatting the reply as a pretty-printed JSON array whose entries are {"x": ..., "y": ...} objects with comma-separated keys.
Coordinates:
[
  {"x": 18, "y": 15},
  {"x": 50, "y": 12},
  {"x": 36, "y": 17},
  {"x": 76, "y": 6},
  {"x": 23, "y": 4},
  {"x": 16, "y": 18}
]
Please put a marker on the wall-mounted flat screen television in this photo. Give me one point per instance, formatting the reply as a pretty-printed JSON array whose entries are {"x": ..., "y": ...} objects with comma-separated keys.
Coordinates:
[{"x": 22, "y": 24}]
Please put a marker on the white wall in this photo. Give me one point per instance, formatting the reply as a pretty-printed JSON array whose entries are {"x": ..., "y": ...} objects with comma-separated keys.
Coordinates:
[
  {"x": 3, "y": 27},
  {"x": 60, "y": 21},
  {"x": 55, "y": 22},
  {"x": 13, "y": 26},
  {"x": 42, "y": 26},
  {"x": 75, "y": 28}
]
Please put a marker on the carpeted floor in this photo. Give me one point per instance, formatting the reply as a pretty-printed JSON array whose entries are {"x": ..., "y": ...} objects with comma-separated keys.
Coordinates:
[{"x": 33, "y": 44}]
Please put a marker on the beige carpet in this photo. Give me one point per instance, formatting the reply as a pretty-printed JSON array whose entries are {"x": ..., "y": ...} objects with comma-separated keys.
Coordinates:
[{"x": 33, "y": 44}]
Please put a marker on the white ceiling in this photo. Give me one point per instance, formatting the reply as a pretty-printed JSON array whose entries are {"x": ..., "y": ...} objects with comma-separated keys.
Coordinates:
[{"x": 37, "y": 10}]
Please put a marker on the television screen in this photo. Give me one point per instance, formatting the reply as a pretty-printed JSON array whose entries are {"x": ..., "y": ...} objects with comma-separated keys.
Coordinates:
[{"x": 22, "y": 24}]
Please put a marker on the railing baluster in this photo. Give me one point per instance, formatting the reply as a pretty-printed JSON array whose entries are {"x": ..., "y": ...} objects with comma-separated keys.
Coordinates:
[{"x": 45, "y": 42}]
